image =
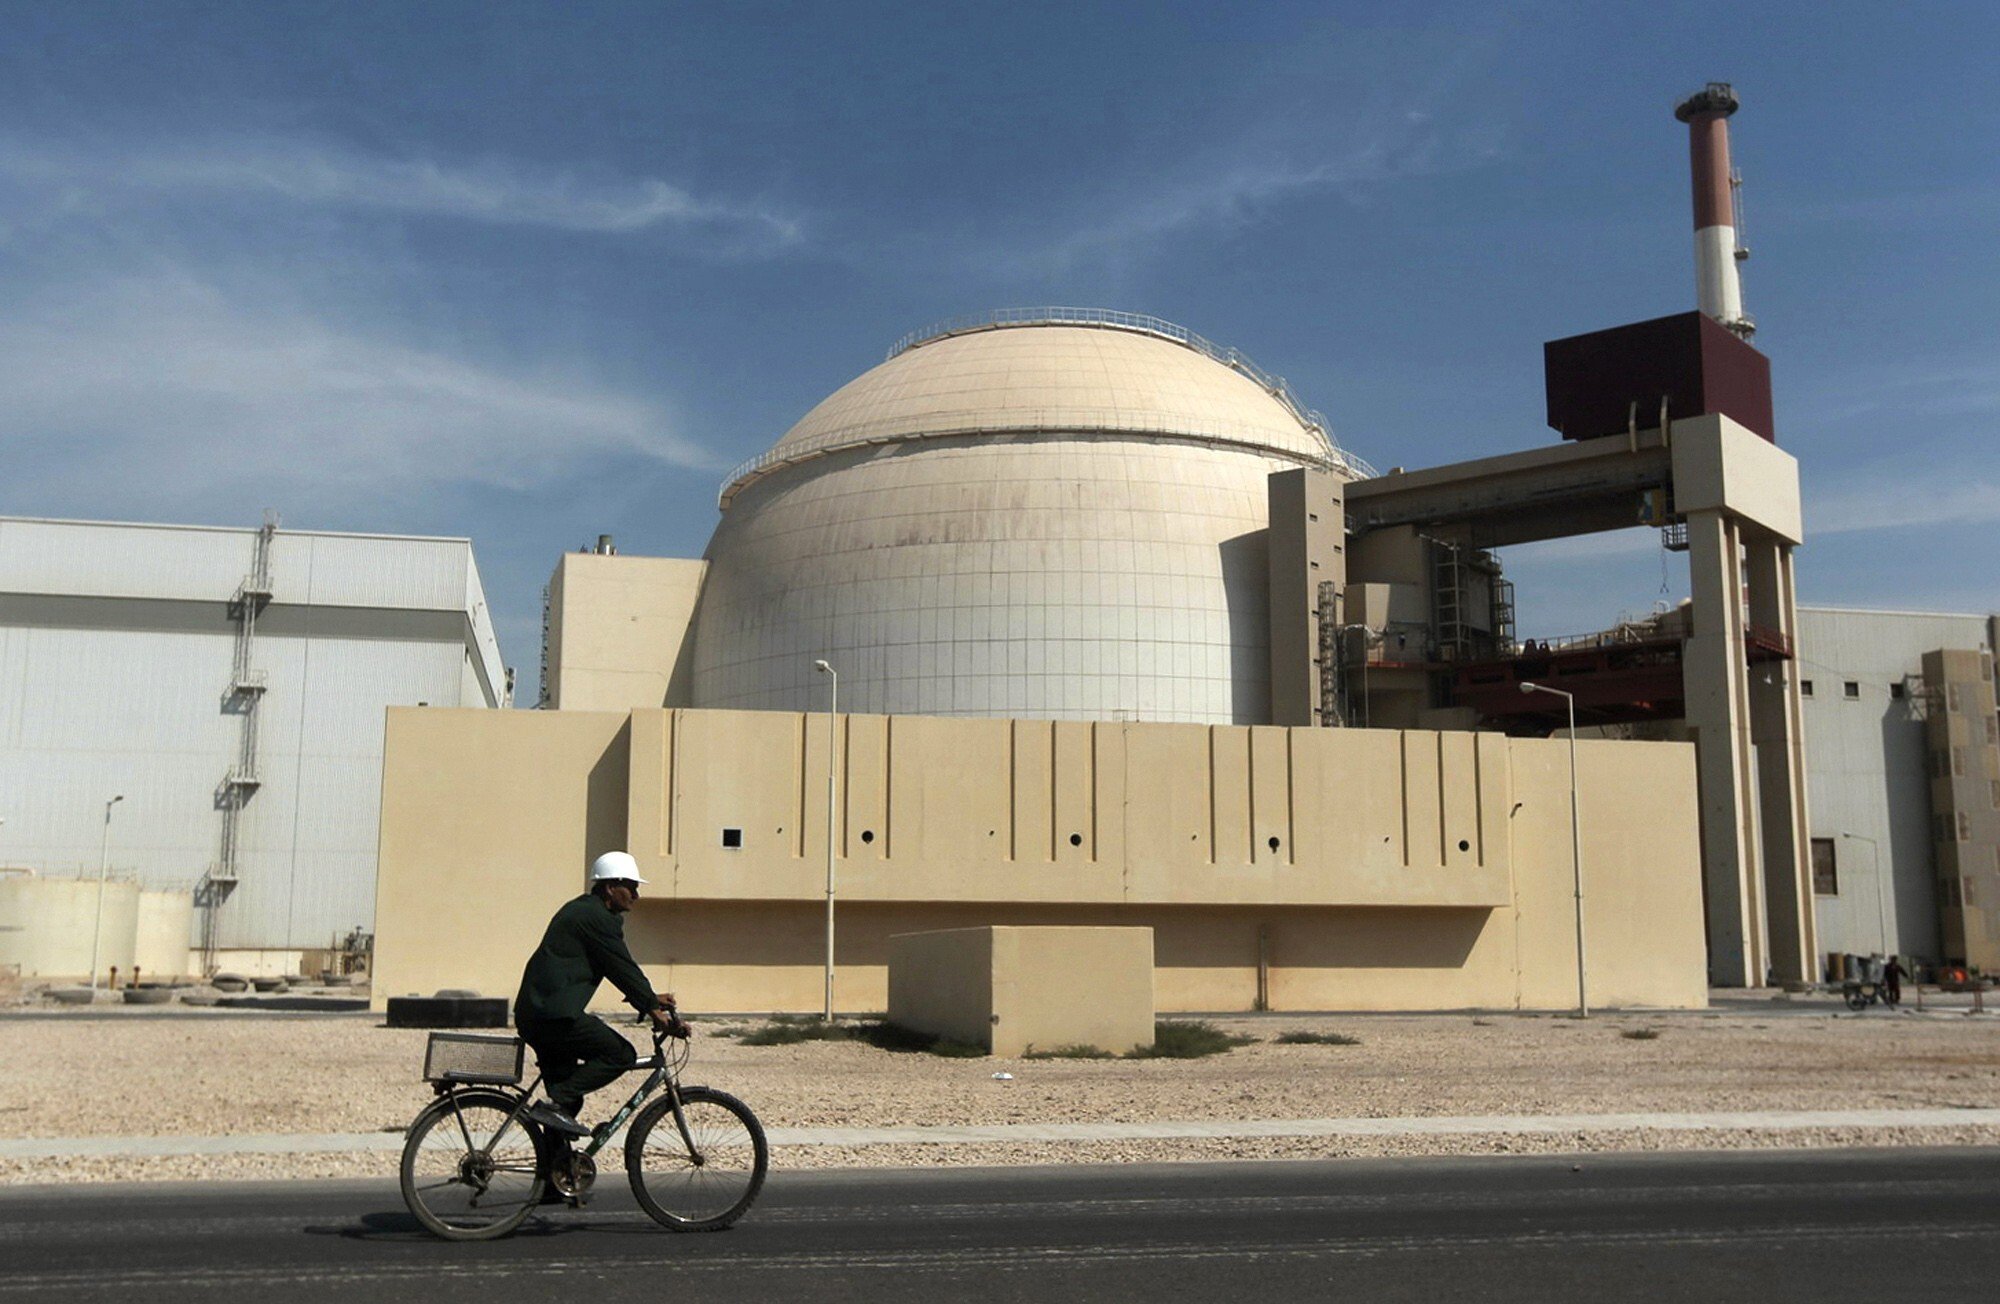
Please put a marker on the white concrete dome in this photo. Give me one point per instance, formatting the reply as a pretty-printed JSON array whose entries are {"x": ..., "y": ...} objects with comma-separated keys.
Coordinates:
[{"x": 1052, "y": 513}]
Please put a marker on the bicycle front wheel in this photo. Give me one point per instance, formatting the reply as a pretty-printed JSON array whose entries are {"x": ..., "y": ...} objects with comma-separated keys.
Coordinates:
[
  {"x": 705, "y": 1179},
  {"x": 469, "y": 1173}
]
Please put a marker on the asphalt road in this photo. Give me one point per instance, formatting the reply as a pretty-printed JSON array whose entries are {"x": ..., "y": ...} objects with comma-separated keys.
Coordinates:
[{"x": 1807, "y": 1226}]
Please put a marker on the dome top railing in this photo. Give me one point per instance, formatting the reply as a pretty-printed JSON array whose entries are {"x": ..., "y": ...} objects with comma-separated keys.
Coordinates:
[
  {"x": 1143, "y": 324},
  {"x": 1338, "y": 458}
]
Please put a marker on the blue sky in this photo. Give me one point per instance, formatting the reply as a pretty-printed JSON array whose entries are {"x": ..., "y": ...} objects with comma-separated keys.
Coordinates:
[{"x": 530, "y": 273}]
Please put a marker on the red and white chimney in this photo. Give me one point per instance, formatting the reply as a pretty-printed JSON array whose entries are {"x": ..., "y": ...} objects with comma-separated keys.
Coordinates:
[{"x": 1718, "y": 288}]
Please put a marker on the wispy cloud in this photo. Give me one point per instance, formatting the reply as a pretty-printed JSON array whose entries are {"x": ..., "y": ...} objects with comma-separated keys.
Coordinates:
[
  {"x": 1232, "y": 187},
  {"x": 1905, "y": 386},
  {"x": 318, "y": 173},
  {"x": 1895, "y": 502},
  {"x": 164, "y": 391}
]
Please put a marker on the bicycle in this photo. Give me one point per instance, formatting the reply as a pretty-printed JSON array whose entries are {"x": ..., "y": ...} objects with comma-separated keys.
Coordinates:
[{"x": 474, "y": 1166}]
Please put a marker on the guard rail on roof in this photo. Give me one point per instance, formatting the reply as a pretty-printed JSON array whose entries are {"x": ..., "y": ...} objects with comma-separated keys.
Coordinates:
[
  {"x": 1139, "y": 322},
  {"x": 1338, "y": 459}
]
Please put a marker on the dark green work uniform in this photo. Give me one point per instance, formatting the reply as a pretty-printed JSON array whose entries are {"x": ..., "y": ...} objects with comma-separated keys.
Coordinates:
[{"x": 584, "y": 945}]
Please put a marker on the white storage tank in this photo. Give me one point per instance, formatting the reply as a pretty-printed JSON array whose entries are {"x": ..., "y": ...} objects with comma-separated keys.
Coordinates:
[
  {"x": 46, "y": 925},
  {"x": 163, "y": 925}
]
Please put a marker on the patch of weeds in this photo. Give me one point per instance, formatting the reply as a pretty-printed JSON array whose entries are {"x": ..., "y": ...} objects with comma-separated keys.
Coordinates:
[
  {"x": 790, "y": 1030},
  {"x": 883, "y": 1035},
  {"x": 1482, "y": 1023},
  {"x": 1316, "y": 1039},
  {"x": 1068, "y": 1052},
  {"x": 1640, "y": 1034},
  {"x": 1187, "y": 1040}
]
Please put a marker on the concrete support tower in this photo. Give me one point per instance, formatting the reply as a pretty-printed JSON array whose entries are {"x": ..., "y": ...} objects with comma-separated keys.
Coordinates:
[{"x": 1716, "y": 253}]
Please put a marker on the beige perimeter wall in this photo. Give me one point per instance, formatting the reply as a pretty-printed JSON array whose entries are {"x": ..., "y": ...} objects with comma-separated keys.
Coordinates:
[{"x": 1349, "y": 869}]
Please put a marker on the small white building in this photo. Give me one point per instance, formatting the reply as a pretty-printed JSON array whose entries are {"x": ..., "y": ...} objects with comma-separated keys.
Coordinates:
[
  {"x": 1868, "y": 772},
  {"x": 227, "y": 688}
]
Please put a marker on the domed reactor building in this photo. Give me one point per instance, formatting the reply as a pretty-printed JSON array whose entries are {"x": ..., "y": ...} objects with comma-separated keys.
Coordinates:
[
  {"x": 1074, "y": 627},
  {"x": 1052, "y": 515}
]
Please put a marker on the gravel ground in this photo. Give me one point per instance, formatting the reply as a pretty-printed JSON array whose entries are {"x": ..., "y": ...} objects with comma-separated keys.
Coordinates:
[{"x": 166, "y": 1074}]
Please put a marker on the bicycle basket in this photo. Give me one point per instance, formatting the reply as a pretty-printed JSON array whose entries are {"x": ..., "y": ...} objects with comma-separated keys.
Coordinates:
[{"x": 466, "y": 1057}]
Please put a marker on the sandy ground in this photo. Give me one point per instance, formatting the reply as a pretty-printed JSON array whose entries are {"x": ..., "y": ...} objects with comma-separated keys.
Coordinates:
[{"x": 167, "y": 1074}]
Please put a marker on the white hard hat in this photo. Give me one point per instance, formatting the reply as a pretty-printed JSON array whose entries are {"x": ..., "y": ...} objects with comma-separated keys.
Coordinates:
[{"x": 617, "y": 865}]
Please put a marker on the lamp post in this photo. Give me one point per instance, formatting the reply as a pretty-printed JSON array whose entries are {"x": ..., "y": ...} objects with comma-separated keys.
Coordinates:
[
  {"x": 1575, "y": 840},
  {"x": 832, "y": 707},
  {"x": 103, "y": 860},
  {"x": 1881, "y": 910}
]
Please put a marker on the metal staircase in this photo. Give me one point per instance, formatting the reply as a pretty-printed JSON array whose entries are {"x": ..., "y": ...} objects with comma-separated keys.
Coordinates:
[
  {"x": 1328, "y": 613},
  {"x": 243, "y": 699},
  {"x": 1448, "y": 601}
]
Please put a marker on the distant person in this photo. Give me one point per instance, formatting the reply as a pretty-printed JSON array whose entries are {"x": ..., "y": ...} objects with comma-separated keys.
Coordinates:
[
  {"x": 1893, "y": 974},
  {"x": 584, "y": 945}
]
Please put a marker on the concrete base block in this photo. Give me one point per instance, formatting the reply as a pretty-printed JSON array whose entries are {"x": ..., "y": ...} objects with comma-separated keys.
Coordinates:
[{"x": 1012, "y": 989}]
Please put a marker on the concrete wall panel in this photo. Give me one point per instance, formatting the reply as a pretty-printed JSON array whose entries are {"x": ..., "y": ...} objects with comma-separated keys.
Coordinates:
[{"x": 1362, "y": 915}]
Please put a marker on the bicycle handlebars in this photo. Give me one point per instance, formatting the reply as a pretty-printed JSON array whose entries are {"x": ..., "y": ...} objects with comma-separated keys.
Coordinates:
[{"x": 675, "y": 1026}]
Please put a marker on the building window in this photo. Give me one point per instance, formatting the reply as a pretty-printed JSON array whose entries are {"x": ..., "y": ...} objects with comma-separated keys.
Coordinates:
[
  {"x": 1805, "y": 688},
  {"x": 1852, "y": 688},
  {"x": 1826, "y": 882},
  {"x": 1898, "y": 691}
]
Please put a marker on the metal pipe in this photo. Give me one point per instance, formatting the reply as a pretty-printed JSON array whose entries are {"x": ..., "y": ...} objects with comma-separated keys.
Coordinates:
[
  {"x": 103, "y": 860},
  {"x": 1575, "y": 843},
  {"x": 832, "y": 711}
]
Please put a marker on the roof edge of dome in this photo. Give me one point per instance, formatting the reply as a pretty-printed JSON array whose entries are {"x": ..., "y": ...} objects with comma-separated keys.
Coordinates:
[
  {"x": 1138, "y": 323},
  {"x": 1250, "y": 441},
  {"x": 1313, "y": 423}
]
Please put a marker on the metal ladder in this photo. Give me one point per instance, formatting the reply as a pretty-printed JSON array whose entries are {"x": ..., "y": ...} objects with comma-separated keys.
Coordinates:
[{"x": 246, "y": 694}]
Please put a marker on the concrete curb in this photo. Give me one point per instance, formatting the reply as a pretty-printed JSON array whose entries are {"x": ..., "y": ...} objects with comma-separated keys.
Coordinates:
[{"x": 1004, "y": 1133}]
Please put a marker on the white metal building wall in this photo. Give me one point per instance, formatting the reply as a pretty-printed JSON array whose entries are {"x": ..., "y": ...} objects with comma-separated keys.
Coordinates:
[
  {"x": 1115, "y": 579},
  {"x": 1866, "y": 771},
  {"x": 115, "y": 661}
]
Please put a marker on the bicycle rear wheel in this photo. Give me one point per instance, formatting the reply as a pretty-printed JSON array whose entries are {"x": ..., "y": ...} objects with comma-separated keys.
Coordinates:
[
  {"x": 704, "y": 1186},
  {"x": 462, "y": 1177}
]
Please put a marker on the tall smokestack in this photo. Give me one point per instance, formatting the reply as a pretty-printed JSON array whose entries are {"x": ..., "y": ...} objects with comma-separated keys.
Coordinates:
[{"x": 1718, "y": 289}]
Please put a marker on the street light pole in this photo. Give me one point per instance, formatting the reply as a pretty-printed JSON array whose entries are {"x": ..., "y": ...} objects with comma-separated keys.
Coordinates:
[
  {"x": 832, "y": 708},
  {"x": 1575, "y": 841},
  {"x": 1881, "y": 910},
  {"x": 103, "y": 860}
]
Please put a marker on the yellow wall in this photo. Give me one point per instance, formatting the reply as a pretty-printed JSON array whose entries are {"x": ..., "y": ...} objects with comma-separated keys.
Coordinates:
[
  {"x": 1412, "y": 869},
  {"x": 484, "y": 833},
  {"x": 618, "y": 630},
  {"x": 942, "y": 983},
  {"x": 1014, "y": 989}
]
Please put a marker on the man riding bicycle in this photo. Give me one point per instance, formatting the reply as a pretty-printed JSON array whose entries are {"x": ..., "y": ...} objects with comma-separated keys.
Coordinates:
[{"x": 584, "y": 945}]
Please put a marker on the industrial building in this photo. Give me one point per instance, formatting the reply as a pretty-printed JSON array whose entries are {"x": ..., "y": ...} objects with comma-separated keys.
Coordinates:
[
  {"x": 1105, "y": 604},
  {"x": 197, "y": 712},
  {"x": 1058, "y": 567},
  {"x": 1905, "y": 782}
]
